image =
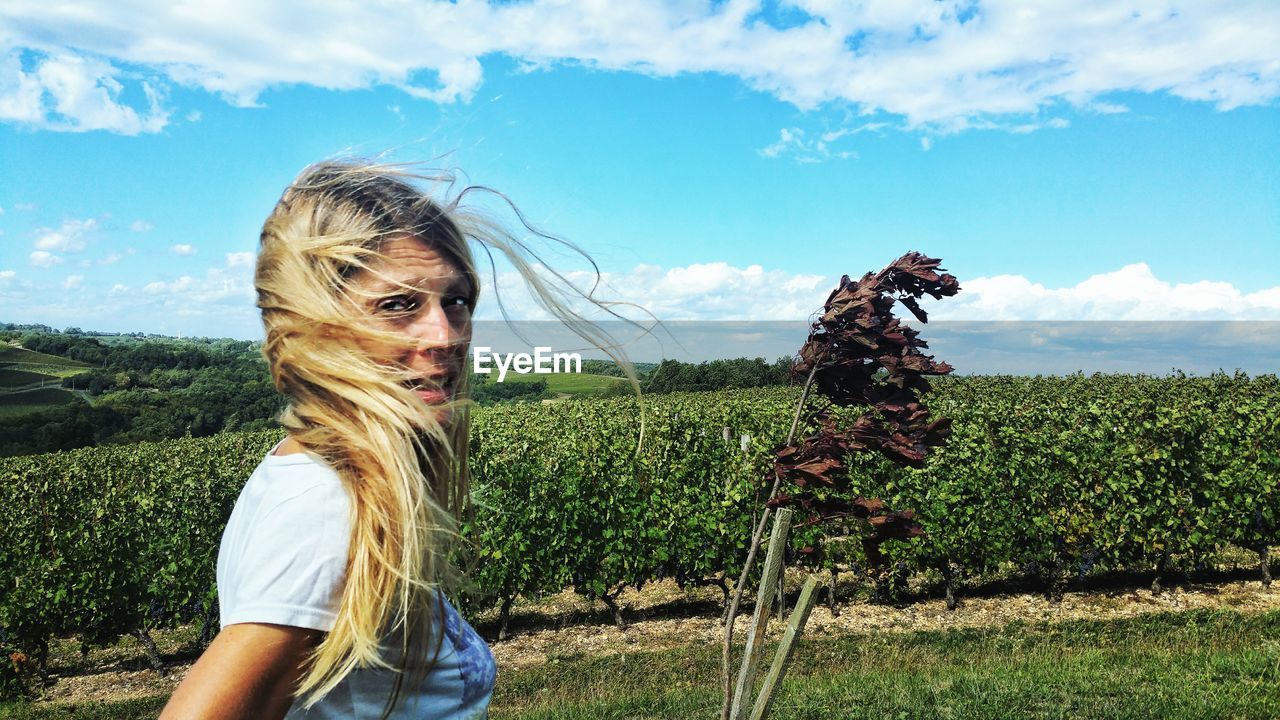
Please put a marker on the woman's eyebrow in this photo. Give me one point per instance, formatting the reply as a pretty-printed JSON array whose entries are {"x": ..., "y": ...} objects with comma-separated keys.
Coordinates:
[{"x": 455, "y": 282}]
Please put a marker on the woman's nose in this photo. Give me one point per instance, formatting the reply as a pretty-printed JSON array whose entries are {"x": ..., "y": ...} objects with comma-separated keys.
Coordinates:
[{"x": 433, "y": 327}]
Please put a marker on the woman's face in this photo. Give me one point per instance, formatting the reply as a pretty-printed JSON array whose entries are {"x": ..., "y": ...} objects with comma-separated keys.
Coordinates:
[{"x": 433, "y": 310}]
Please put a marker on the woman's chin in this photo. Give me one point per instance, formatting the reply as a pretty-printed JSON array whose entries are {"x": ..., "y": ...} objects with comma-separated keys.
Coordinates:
[{"x": 442, "y": 413}]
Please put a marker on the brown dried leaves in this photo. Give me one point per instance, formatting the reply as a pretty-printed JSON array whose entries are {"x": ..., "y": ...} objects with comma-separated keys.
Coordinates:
[{"x": 858, "y": 353}]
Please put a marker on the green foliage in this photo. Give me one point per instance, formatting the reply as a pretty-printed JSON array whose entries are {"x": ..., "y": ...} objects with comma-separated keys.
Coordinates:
[
  {"x": 612, "y": 369},
  {"x": 149, "y": 390},
  {"x": 1042, "y": 472},
  {"x": 23, "y": 404},
  {"x": 104, "y": 541},
  {"x": 676, "y": 376},
  {"x": 486, "y": 391}
]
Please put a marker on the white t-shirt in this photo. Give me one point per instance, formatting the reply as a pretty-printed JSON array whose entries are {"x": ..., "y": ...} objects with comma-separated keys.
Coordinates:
[{"x": 282, "y": 560}]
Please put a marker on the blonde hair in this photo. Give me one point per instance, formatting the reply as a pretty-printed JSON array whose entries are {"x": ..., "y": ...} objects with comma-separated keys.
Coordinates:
[{"x": 406, "y": 474}]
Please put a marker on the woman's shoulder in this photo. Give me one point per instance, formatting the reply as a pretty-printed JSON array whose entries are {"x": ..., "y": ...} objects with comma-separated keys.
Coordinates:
[
  {"x": 283, "y": 553},
  {"x": 294, "y": 483}
]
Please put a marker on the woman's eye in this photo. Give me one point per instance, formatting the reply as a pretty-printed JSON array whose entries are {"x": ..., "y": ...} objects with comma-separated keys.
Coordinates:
[{"x": 396, "y": 304}]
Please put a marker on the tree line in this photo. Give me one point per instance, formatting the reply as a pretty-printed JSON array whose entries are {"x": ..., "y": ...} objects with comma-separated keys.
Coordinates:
[
  {"x": 738, "y": 373},
  {"x": 156, "y": 389},
  {"x": 147, "y": 390}
]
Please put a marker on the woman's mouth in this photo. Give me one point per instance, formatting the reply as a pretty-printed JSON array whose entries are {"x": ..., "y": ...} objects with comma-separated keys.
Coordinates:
[{"x": 441, "y": 391}]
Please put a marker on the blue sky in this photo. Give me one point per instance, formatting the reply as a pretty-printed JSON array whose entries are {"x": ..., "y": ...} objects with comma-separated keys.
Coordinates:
[{"x": 720, "y": 161}]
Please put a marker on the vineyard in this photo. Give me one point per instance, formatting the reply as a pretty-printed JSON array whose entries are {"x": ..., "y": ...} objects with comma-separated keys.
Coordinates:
[{"x": 1054, "y": 476}]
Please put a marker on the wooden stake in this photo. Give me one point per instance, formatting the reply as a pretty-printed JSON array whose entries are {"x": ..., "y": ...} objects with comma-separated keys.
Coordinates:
[
  {"x": 782, "y": 658},
  {"x": 760, "y": 618}
]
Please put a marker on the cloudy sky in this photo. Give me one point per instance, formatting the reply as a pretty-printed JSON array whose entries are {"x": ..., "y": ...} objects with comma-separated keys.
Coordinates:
[{"x": 1067, "y": 159}]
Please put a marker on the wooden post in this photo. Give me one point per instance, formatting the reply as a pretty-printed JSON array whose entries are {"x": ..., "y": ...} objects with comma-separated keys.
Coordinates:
[
  {"x": 782, "y": 658},
  {"x": 760, "y": 618},
  {"x": 782, "y": 587}
]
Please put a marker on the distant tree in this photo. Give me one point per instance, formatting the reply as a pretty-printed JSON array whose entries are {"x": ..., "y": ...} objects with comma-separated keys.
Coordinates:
[
  {"x": 676, "y": 376},
  {"x": 148, "y": 390}
]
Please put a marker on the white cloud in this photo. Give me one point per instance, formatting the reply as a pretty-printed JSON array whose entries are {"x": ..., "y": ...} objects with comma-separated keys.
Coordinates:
[
  {"x": 240, "y": 259},
  {"x": 140, "y": 226},
  {"x": 926, "y": 144},
  {"x": 69, "y": 237},
  {"x": 191, "y": 295},
  {"x": 787, "y": 138},
  {"x": 41, "y": 258},
  {"x": 949, "y": 65},
  {"x": 720, "y": 291},
  {"x": 706, "y": 291},
  {"x": 794, "y": 143},
  {"x": 69, "y": 91},
  {"x": 1131, "y": 293},
  {"x": 178, "y": 286},
  {"x": 111, "y": 259},
  {"x": 72, "y": 281},
  {"x": 183, "y": 249},
  {"x": 224, "y": 297},
  {"x": 218, "y": 302}
]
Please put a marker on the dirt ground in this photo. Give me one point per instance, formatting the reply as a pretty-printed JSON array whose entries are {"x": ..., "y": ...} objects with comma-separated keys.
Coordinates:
[{"x": 662, "y": 616}]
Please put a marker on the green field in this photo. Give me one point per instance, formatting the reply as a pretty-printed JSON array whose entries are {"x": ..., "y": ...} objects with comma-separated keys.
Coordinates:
[
  {"x": 20, "y": 367},
  {"x": 56, "y": 371},
  {"x": 18, "y": 364},
  {"x": 1194, "y": 665},
  {"x": 567, "y": 383},
  {"x": 11, "y": 378},
  {"x": 10, "y": 354},
  {"x": 21, "y": 403},
  {"x": 1191, "y": 666}
]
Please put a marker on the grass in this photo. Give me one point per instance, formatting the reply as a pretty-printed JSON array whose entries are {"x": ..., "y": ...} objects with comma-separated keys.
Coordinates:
[
  {"x": 121, "y": 710},
  {"x": 1188, "y": 665},
  {"x": 568, "y": 383},
  {"x": 1184, "y": 665},
  {"x": 57, "y": 371},
  {"x": 12, "y": 377},
  {"x": 14, "y": 354},
  {"x": 22, "y": 403}
]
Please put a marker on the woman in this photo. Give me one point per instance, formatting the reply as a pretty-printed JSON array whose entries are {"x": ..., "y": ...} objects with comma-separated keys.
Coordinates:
[{"x": 332, "y": 565}]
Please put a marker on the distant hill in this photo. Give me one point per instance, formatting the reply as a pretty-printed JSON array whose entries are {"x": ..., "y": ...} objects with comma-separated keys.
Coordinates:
[{"x": 14, "y": 356}]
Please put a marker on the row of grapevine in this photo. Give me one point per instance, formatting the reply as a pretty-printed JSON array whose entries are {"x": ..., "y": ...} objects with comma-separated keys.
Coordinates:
[
  {"x": 1112, "y": 470},
  {"x": 103, "y": 542}
]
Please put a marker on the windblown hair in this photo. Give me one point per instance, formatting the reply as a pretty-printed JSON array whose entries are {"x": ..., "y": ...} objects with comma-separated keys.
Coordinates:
[{"x": 405, "y": 473}]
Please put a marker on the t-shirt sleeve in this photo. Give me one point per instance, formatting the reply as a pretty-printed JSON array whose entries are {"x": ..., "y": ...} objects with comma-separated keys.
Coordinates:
[{"x": 293, "y": 560}]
